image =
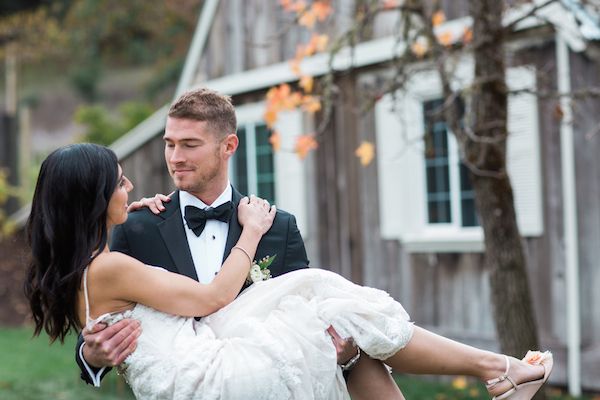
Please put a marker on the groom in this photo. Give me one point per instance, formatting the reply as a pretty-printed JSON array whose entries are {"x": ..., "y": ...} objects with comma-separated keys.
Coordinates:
[{"x": 200, "y": 138}]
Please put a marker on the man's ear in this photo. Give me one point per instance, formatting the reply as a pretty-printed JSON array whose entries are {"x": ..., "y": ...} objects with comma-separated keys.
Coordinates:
[{"x": 230, "y": 144}]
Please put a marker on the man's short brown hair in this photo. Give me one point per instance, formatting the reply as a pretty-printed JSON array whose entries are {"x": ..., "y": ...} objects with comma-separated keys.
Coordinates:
[{"x": 206, "y": 105}]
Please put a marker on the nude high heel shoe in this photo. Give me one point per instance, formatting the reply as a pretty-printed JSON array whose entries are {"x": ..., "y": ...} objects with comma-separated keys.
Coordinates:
[{"x": 525, "y": 390}]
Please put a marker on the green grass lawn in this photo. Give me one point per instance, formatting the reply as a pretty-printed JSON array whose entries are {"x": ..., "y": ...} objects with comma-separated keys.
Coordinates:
[{"x": 32, "y": 369}]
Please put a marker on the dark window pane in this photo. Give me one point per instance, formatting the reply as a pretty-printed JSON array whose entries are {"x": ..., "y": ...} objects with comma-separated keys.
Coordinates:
[
  {"x": 439, "y": 212},
  {"x": 264, "y": 163},
  {"x": 240, "y": 160},
  {"x": 467, "y": 198},
  {"x": 265, "y": 167},
  {"x": 469, "y": 215},
  {"x": 266, "y": 190},
  {"x": 465, "y": 180},
  {"x": 437, "y": 164}
]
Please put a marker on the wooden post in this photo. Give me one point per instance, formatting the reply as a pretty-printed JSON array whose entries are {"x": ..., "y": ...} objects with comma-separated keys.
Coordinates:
[
  {"x": 24, "y": 146},
  {"x": 9, "y": 130}
]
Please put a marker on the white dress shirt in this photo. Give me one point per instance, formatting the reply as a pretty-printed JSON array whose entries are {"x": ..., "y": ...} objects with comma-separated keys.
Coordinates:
[{"x": 208, "y": 248}]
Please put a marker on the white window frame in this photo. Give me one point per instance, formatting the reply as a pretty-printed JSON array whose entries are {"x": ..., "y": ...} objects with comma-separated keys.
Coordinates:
[
  {"x": 251, "y": 168},
  {"x": 290, "y": 172},
  {"x": 454, "y": 181},
  {"x": 401, "y": 165}
]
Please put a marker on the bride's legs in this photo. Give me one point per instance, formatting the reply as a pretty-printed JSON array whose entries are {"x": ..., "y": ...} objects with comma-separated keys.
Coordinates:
[
  {"x": 428, "y": 353},
  {"x": 371, "y": 380}
]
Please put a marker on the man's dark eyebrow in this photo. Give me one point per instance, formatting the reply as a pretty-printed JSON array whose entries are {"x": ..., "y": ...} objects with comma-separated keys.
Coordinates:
[{"x": 166, "y": 139}]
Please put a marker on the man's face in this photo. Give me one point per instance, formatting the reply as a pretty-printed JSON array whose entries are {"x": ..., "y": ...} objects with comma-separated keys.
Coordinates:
[{"x": 196, "y": 157}]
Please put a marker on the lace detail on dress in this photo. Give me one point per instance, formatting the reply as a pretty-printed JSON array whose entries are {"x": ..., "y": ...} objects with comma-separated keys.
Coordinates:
[{"x": 271, "y": 343}]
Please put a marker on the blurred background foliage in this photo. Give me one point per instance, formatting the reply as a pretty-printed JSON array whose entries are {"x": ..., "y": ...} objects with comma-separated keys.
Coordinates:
[
  {"x": 87, "y": 41},
  {"x": 84, "y": 70}
]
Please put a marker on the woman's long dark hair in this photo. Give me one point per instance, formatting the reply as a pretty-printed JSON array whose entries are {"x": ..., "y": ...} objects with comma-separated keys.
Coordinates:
[{"x": 66, "y": 226}]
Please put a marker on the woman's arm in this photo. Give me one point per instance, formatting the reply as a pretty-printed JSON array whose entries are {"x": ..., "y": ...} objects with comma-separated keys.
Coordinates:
[{"x": 120, "y": 277}]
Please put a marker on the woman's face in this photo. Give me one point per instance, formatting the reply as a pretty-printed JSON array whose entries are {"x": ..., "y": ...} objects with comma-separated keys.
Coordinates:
[{"x": 117, "y": 207}]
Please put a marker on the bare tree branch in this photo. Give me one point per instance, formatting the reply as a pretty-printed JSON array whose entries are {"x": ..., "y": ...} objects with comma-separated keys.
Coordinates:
[{"x": 532, "y": 13}]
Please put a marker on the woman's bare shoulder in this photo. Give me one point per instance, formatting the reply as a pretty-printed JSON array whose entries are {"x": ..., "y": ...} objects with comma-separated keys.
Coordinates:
[{"x": 109, "y": 264}]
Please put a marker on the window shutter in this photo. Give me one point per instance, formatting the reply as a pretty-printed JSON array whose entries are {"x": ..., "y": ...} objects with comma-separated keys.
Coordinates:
[
  {"x": 400, "y": 161},
  {"x": 523, "y": 153},
  {"x": 290, "y": 174}
]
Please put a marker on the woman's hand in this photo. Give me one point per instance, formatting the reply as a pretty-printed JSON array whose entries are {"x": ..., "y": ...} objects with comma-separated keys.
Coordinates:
[
  {"x": 155, "y": 204},
  {"x": 256, "y": 213}
]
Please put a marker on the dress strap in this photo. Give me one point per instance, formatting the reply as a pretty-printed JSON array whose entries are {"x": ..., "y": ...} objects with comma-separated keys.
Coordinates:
[{"x": 85, "y": 294}]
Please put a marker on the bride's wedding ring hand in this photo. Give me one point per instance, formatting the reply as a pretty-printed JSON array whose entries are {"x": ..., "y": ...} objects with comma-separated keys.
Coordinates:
[
  {"x": 256, "y": 213},
  {"x": 155, "y": 204}
]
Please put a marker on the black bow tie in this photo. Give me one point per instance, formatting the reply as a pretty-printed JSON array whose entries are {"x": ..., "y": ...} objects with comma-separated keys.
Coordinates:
[{"x": 196, "y": 217}]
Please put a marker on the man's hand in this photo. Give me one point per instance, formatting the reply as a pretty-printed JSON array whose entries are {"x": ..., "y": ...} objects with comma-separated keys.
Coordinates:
[
  {"x": 110, "y": 346},
  {"x": 345, "y": 348},
  {"x": 155, "y": 204}
]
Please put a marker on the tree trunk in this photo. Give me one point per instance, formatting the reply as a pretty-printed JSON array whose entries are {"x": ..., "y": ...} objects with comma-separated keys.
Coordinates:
[{"x": 485, "y": 153}]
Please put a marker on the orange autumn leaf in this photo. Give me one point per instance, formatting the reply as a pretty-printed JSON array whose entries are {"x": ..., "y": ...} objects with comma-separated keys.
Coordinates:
[
  {"x": 308, "y": 19},
  {"x": 272, "y": 93},
  {"x": 275, "y": 140},
  {"x": 295, "y": 67},
  {"x": 468, "y": 35},
  {"x": 311, "y": 104},
  {"x": 300, "y": 52},
  {"x": 445, "y": 38},
  {"x": 293, "y": 101},
  {"x": 287, "y": 5},
  {"x": 420, "y": 47},
  {"x": 298, "y": 6},
  {"x": 280, "y": 98},
  {"x": 319, "y": 42},
  {"x": 438, "y": 18},
  {"x": 270, "y": 117},
  {"x": 304, "y": 144},
  {"x": 365, "y": 152},
  {"x": 322, "y": 9},
  {"x": 306, "y": 83},
  {"x": 284, "y": 90},
  {"x": 390, "y": 4},
  {"x": 277, "y": 95}
]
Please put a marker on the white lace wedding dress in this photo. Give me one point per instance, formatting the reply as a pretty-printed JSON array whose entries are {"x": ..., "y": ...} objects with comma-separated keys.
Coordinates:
[{"x": 270, "y": 343}]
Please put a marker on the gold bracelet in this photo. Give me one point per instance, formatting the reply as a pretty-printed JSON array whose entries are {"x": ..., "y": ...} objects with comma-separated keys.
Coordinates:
[{"x": 243, "y": 251}]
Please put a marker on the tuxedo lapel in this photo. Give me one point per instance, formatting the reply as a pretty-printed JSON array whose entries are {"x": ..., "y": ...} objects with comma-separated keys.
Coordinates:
[
  {"x": 235, "y": 229},
  {"x": 173, "y": 234}
]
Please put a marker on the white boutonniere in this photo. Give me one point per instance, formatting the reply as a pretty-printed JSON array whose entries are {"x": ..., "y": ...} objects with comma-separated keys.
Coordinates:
[{"x": 260, "y": 270}]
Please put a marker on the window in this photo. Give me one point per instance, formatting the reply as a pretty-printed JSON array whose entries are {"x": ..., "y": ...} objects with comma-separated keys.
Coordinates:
[
  {"x": 450, "y": 197},
  {"x": 426, "y": 199},
  {"x": 253, "y": 168}
]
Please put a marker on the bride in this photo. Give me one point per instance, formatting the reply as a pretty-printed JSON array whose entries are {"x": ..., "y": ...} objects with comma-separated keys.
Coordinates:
[{"x": 269, "y": 343}]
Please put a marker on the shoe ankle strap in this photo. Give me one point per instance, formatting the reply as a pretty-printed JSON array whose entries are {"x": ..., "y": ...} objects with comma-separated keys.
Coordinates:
[{"x": 503, "y": 377}]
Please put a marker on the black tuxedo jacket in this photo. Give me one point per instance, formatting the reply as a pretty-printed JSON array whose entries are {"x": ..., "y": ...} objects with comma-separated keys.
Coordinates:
[{"x": 160, "y": 240}]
